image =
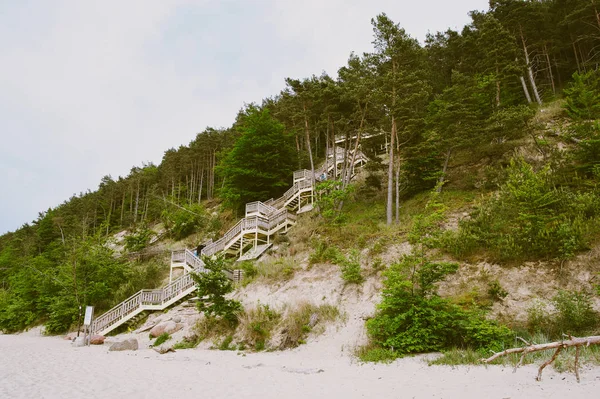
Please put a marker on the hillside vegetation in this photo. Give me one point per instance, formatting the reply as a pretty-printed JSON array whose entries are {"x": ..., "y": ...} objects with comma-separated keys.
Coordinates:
[{"x": 484, "y": 148}]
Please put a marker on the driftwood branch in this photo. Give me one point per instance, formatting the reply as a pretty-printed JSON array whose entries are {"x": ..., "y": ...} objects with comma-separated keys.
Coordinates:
[{"x": 558, "y": 346}]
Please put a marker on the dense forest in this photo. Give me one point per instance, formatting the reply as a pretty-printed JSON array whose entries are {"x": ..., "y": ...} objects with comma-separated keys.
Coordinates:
[{"x": 457, "y": 99}]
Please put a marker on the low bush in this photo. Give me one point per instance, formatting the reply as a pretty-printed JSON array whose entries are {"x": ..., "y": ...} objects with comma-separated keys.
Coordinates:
[
  {"x": 257, "y": 325},
  {"x": 161, "y": 339},
  {"x": 213, "y": 285},
  {"x": 138, "y": 239},
  {"x": 571, "y": 313},
  {"x": 276, "y": 270},
  {"x": 574, "y": 312},
  {"x": 530, "y": 218},
  {"x": 351, "y": 270},
  {"x": 324, "y": 253},
  {"x": 299, "y": 321}
]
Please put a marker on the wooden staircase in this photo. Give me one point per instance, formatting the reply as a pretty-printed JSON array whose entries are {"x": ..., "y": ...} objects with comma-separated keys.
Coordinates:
[{"x": 248, "y": 239}]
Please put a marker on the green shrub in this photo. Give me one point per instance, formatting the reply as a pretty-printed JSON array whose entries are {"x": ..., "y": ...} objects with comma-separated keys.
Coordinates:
[
  {"x": 213, "y": 285},
  {"x": 187, "y": 343},
  {"x": 161, "y": 339},
  {"x": 351, "y": 270},
  {"x": 583, "y": 96},
  {"x": 257, "y": 325},
  {"x": 324, "y": 253},
  {"x": 250, "y": 271},
  {"x": 138, "y": 239},
  {"x": 495, "y": 291},
  {"x": 530, "y": 218},
  {"x": 212, "y": 327},
  {"x": 226, "y": 344},
  {"x": 296, "y": 322},
  {"x": 575, "y": 314},
  {"x": 370, "y": 353},
  {"x": 183, "y": 221},
  {"x": 539, "y": 318}
]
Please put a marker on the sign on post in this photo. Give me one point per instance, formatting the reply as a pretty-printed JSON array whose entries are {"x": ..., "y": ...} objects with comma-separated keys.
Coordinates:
[
  {"x": 87, "y": 324},
  {"x": 89, "y": 313}
]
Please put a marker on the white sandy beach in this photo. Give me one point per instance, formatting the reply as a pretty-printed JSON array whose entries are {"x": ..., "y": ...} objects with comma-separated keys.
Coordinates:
[{"x": 49, "y": 367}]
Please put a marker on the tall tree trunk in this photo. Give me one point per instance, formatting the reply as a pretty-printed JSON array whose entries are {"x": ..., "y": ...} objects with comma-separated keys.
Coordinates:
[
  {"x": 444, "y": 169},
  {"x": 398, "y": 193},
  {"x": 122, "y": 210},
  {"x": 497, "y": 87},
  {"x": 201, "y": 184},
  {"x": 357, "y": 143},
  {"x": 390, "y": 191},
  {"x": 307, "y": 134},
  {"x": 327, "y": 146},
  {"x": 576, "y": 56},
  {"x": 137, "y": 202},
  {"x": 550, "y": 74},
  {"x": 334, "y": 145},
  {"x": 536, "y": 94},
  {"x": 525, "y": 89},
  {"x": 110, "y": 209}
]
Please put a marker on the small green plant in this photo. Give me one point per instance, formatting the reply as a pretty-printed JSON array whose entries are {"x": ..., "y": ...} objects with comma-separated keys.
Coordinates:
[
  {"x": 187, "y": 343},
  {"x": 298, "y": 322},
  {"x": 351, "y": 270},
  {"x": 226, "y": 344},
  {"x": 370, "y": 353},
  {"x": 538, "y": 318},
  {"x": 257, "y": 325},
  {"x": 161, "y": 339},
  {"x": 495, "y": 291},
  {"x": 324, "y": 253}
]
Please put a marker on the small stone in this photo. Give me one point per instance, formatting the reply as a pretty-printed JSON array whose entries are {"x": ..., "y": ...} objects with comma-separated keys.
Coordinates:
[
  {"x": 177, "y": 319},
  {"x": 97, "y": 339},
  {"x": 314, "y": 319},
  {"x": 78, "y": 342}
]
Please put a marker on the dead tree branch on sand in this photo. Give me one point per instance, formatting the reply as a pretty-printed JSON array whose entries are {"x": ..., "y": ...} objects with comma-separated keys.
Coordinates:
[{"x": 558, "y": 346}]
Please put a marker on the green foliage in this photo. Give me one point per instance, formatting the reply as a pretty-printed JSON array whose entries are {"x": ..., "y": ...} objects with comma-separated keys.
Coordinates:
[
  {"x": 213, "y": 285},
  {"x": 376, "y": 354},
  {"x": 261, "y": 162},
  {"x": 324, "y": 253},
  {"x": 226, "y": 344},
  {"x": 495, "y": 291},
  {"x": 575, "y": 313},
  {"x": 530, "y": 218},
  {"x": 572, "y": 313},
  {"x": 138, "y": 239},
  {"x": 187, "y": 343},
  {"x": 351, "y": 270},
  {"x": 183, "y": 221},
  {"x": 587, "y": 150},
  {"x": 296, "y": 322},
  {"x": 330, "y": 196},
  {"x": 161, "y": 339},
  {"x": 250, "y": 270},
  {"x": 411, "y": 317},
  {"x": 257, "y": 326},
  {"x": 583, "y": 96}
]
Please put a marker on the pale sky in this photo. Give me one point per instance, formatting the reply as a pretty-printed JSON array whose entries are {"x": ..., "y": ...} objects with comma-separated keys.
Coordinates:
[{"x": 92, "y": 88}]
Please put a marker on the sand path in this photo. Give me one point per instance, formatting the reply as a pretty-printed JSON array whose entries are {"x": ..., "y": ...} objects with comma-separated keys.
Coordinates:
[{"x": 42, "y": 367}]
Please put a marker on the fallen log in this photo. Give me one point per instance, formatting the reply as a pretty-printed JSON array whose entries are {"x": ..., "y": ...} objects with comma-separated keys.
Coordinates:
[{"x": 558, "y": 346}]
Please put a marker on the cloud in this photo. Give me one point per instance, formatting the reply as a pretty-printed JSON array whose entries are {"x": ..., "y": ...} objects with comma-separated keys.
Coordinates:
[{"x": 92, "y": 88}]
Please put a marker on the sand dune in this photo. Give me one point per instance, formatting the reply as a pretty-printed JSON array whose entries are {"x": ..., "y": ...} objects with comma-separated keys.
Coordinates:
[{"x": 43, "y": 367}]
